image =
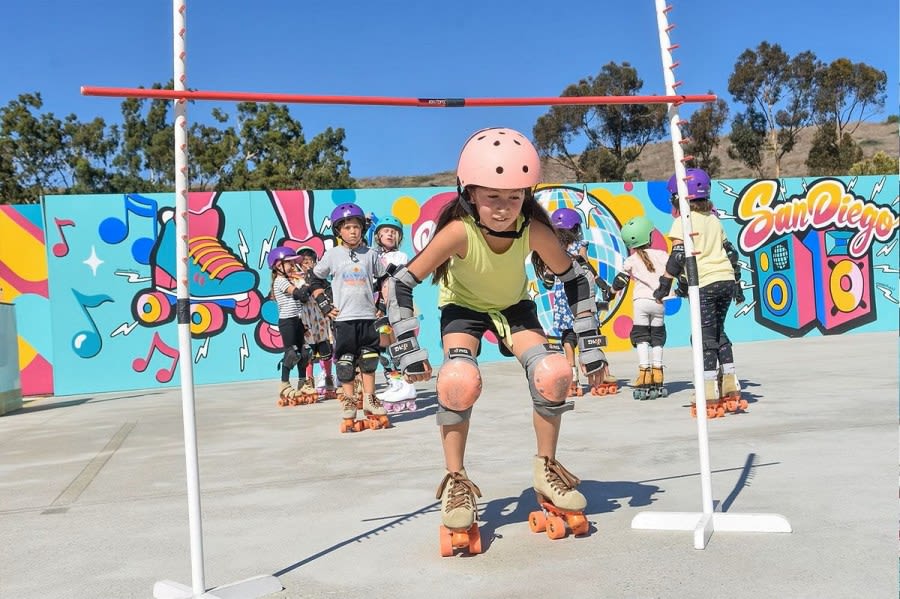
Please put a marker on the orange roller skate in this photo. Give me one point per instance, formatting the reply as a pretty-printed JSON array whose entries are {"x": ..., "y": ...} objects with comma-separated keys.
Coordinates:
[
  {"x": 609, "y": 385},
  {"x": 714, "y": 407},
  {"x": 376, "y": 414},
  {"x": 287, "y": 395},
  {"x": 730, "y": 394},
  {"x": 349, "y": 424},
  {"x": 562, "y": 506},
  {"x": 575, "y": 389},
  {"x": 307, "y": 392},
  {"x": 458, "y": 527}
]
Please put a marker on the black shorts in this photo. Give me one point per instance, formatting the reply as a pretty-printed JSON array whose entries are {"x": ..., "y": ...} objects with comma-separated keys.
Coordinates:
[
  {"x": 355, "y": 337},
  {"x": 521, "y": 317}
]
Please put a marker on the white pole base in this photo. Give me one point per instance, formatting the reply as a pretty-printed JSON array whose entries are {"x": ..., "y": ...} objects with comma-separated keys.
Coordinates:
[
  {"x": 258, "y": 586},
  {"x": 703, "y": 525}
]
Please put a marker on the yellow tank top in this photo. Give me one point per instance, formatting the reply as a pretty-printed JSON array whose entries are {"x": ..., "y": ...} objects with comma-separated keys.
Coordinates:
[{"x": 484, "y": 280}]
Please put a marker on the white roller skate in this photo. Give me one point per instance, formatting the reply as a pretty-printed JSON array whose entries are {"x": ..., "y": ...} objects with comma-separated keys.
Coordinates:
[{"x": 400, "y": 396}]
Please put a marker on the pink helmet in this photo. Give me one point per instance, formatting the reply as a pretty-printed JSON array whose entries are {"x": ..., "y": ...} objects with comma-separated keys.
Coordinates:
[{"x": 499, "y": 158}]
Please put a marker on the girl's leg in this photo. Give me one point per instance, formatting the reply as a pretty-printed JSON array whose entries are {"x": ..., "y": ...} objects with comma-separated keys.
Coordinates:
[{"x": 454, "y": 436}]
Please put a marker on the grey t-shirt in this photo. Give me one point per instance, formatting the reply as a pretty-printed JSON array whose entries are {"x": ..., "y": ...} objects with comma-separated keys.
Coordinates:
[{"x": 352, "y": 273}]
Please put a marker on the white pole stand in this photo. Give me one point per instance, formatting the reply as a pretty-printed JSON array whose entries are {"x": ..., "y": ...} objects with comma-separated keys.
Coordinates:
[
  {"x": 258, "y": 586},
  {"x": 703, "y": 525}
]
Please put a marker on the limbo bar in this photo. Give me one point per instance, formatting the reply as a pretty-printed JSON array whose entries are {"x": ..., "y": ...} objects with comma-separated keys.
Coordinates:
[{"x": 169, "y": 94}]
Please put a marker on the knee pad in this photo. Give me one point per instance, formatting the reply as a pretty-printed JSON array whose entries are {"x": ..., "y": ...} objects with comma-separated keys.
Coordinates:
[
  {"x": 641, "y": 333},
  {"x": 323, "y": 349},
  {"x": 658, "y": 336},
  {"x": 345, "y": 368},
  {"x": 549, "y": 378},
  {"x": 458, "y": 381},
  {"x": 368, "y": 361}
]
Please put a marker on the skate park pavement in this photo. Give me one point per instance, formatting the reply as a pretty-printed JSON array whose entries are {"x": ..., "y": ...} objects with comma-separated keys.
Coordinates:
[{"x": 93, "y": 500}]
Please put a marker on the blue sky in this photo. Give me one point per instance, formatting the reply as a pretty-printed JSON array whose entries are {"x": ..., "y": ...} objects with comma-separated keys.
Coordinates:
[{"x": 466, "y": 48}]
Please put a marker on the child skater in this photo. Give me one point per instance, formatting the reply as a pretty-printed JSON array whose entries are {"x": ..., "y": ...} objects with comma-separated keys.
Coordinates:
[
  {"x": 648, "y": 331},
  {"x": 477, "y": 257},
  {"x": 318, "y": 331},
  {"x": 719, "y": 280},
  {"x": 567, "y": 224},
  {"x": 400, "y": 396},
  {"x": 352, "y": 267},
  {"x": 288, "y": 293}
]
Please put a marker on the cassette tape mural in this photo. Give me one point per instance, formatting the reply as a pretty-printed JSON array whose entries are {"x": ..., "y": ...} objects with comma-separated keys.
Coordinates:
[{"x": 821, "y": 256}]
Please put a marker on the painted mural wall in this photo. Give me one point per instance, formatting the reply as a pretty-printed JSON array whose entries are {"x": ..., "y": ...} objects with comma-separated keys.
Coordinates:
[{"x": 92, "y": 277}]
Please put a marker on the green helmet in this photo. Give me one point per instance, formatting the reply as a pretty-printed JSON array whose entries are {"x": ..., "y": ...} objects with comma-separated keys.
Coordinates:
[{"x": 636, "y": 232}]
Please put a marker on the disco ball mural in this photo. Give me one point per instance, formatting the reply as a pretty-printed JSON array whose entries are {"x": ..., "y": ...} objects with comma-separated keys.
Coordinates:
[{"x": 606, "y": 251}]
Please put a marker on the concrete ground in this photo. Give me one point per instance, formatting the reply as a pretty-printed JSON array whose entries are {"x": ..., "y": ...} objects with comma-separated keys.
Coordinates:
[{"x": 93, "y": 492}]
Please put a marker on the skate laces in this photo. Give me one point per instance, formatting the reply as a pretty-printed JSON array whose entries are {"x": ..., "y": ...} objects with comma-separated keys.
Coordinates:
[
  {"x": 460, "y": 492},
  {"x": 211, "y": 255},
  {"x": 561, "y": 480},
  {"x": 348, "y": 402}
]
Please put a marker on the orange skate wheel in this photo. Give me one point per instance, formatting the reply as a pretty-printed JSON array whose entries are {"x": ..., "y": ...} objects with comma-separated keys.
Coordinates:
[
  {"x": 693, "y": 410},
  {"x": 359, "y": 425},
  {"x": 282, "y": 402},
  {"x": 474, "y": 540},
  {"x": 742, "y": 404},
  {"x": 537, "y": 521},
  {"x": 613, "y": 388},
  {"x": 578, "y": 523},
  {"x": 446, "y": 542},
  {"x": 347, "y": 426},
  {"x": 556, "y": 527}
]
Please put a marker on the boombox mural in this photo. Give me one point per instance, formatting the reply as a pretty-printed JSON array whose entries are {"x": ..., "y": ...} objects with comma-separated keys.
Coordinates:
[{"x": 93, "y": 277}]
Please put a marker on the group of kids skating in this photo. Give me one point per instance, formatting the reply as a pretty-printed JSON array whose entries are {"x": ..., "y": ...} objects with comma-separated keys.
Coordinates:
[{"x": 477, "y": 257}]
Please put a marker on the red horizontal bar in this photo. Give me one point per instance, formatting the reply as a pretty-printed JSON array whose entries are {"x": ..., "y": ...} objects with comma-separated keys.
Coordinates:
[{"x": 168, "y": 94}]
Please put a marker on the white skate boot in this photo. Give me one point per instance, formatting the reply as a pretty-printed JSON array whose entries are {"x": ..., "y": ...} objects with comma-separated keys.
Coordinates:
[{"x": 400, "y": 396}]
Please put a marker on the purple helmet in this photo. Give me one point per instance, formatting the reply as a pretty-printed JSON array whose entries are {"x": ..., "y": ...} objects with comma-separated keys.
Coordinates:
[
  {"x": 698, "y": 184},
  {"x": 344, "y": 211},
  {"x": 565, "y": 218},
  {"x": 280, "y": 253}
]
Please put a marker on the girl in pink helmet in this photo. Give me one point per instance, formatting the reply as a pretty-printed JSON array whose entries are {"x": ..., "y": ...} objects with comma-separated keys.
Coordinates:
[{"x": 477, "y": 257}]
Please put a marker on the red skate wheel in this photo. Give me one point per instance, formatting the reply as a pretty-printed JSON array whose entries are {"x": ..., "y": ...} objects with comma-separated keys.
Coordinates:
[{"x": 556, "y": 527}]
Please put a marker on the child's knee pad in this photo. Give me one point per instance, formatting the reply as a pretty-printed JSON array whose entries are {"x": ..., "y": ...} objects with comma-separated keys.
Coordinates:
[
  {"x": 641, "y": 333},
  {"x": 658, "y": 335},
  {"x": 458, "y": 381},
  {"x": 549, "y": 378},
  {"x": 368, "y": 361},
  {"x": 345, "y": 368}
]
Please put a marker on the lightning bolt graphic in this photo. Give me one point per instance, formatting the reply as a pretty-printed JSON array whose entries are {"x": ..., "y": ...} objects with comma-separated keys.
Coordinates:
[
  {"x": 884, "y": 251},
  {"x": 876, "y": 189},
  {"x": 885, "y": 268},
  {"x": 242, "y": 246},
  {"x": 852, "y": 183},
  {"x": 326, "y": 224},
  {"x": 202, "y": 351},
  {"x": 804, "y": 185},
  {"x": 723, "y": 214},
  {"x": 133, "y": 277},
  {"x": 887, "y": 292},
  {"x": 745, "y": 265},
  {"x": 123, "y": 329},
  {"x": 782, "y": 188},
  {"x": 896, "y": 200},
  {"x": 745, "y": 309},
  {"x": 265, "y": 247},
  {"x": 746, "y": 285},
  {"x": 244, "y": 350},
  {"x": 729, "y": 191}
]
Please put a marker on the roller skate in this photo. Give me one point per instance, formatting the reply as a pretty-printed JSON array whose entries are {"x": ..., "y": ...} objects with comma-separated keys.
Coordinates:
[
  {"x": 561, "y": 504},
  {"x": 575, "y": 389},
  {"x": 608, "y": 385},
  {"x": 349, "y": 424},
  {"x": 325, "y": 386},
  {"x": 661, "y": 390},
  {"x": 288, "y": 396},
  {"x": 400, "y": 396},
  {"x": 714, "y": 408},
  {"x": 458, "y": 508},
  {"x": 730, "y": 394},
  {"x": 307, "y": 392},
  {"x": 376, "y": 415},
  {"x": 643, "y": 384}
]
